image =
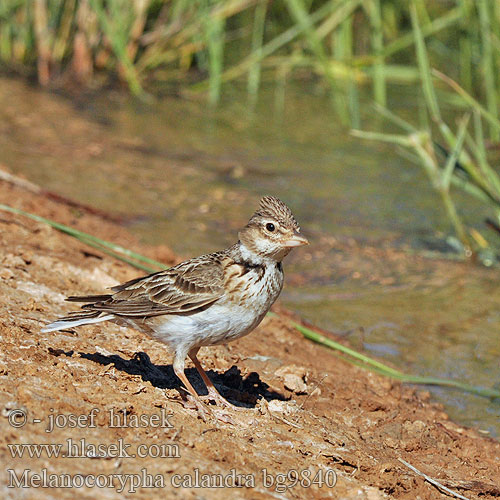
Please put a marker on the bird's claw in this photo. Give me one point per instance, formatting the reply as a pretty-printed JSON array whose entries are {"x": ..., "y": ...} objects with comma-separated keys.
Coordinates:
[
  {"x": 220, "y": 401},
  {"x": 205, "y": 412},
  {"x": 192, "y": 403}
]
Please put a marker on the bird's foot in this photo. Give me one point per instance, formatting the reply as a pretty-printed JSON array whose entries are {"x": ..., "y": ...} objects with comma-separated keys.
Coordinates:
[
  {"x": 204, "y": 412},
  {"x": 191, "y": 403},
  {"x": 214, "y": 396}
]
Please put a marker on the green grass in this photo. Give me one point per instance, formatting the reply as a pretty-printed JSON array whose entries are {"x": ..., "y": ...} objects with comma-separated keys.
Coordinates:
[
  {"x": 116, "y": 251},
  {"x": 185, "y": 42}
]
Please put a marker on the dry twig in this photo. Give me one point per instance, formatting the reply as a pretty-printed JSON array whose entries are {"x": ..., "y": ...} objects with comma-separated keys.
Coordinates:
[{"x": 435, "y": 483}]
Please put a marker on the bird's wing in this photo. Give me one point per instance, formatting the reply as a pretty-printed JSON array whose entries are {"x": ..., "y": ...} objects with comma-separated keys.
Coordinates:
[{"x": 186, "y": 287}]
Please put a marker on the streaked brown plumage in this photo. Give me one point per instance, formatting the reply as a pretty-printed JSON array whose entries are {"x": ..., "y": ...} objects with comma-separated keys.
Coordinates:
[{"x": 207, "y": 300}]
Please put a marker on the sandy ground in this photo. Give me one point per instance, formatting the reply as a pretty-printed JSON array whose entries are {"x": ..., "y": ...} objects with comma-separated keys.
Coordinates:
[{"x": 106, "y": 399}]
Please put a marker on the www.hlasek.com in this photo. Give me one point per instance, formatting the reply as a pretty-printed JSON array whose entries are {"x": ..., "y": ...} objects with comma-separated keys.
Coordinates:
[
  {"x": 81, "y": 448},
  {"x": 130, "y": 483},
  {"x": 122, "y": 482}
]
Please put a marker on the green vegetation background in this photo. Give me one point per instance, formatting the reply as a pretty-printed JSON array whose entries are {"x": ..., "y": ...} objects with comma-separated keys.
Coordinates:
[{"x": 448, "y": 49}]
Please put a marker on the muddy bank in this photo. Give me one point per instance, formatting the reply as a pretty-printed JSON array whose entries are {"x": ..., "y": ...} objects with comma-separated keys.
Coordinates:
[{"x": 307, "y": 411}]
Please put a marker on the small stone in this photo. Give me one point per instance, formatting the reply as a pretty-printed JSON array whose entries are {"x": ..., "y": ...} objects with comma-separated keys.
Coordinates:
[
  {"x": 6, "y": 274},
  {"x": 13, "y": 261},
  {"x": 390, "y": 442},
  {"x": 285, "y": 407},
  {"x": 414, "y": 428},
  {"x": 295, "y": 383},
  {"x": 294, "y": 378},
  {"x": 27, "y": 256}
]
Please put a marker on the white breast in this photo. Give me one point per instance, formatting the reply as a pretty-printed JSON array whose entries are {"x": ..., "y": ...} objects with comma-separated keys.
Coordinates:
[{"x": 225, "y": 320}]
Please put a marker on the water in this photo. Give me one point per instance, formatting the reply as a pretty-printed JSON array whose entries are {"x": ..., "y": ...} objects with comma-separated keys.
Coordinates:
[{"x": 193, "y": 175}]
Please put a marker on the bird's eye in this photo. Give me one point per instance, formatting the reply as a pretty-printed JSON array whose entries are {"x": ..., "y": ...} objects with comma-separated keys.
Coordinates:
[{"x": 270, "y": 227}]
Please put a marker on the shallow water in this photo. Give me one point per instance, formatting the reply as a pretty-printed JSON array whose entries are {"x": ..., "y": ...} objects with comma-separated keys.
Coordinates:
[{"x": 192, "y": 176}]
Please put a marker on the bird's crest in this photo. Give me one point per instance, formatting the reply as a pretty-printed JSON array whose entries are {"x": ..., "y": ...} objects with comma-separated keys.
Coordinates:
[{"x": 272, "y": 207}]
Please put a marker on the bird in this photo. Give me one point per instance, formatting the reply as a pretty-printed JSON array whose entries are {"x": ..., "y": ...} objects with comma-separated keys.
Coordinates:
[{"x": 208, "y": 300}]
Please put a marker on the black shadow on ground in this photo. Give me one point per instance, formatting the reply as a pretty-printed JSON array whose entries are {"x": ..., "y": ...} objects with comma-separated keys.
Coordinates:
[{"x": 241, "y": 391}]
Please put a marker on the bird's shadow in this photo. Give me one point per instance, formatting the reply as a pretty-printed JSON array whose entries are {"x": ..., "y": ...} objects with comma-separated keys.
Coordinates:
[{"x": 242, "y": 391}]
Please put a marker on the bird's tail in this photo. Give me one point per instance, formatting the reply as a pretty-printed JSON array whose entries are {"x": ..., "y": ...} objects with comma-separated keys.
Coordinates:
[{"x": 76, "y": 319}]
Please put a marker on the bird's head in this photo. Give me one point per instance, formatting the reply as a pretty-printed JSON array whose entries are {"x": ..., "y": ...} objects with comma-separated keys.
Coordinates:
[{"x": 272, "y": 230}]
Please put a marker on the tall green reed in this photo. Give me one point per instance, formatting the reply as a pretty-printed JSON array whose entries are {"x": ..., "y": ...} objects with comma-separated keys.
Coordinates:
[
  {"x": 465, "y": 162},
  {"x": 203, "y": 44}
]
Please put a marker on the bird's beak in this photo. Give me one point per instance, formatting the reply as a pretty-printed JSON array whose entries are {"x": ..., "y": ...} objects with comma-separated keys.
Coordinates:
[{"x": 297, "y": 240}]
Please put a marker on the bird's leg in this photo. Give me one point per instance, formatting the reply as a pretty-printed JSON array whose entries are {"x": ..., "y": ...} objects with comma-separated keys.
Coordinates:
[
  {"x": 203, "y": 411},
  {"x": 213, "y": 393}
]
